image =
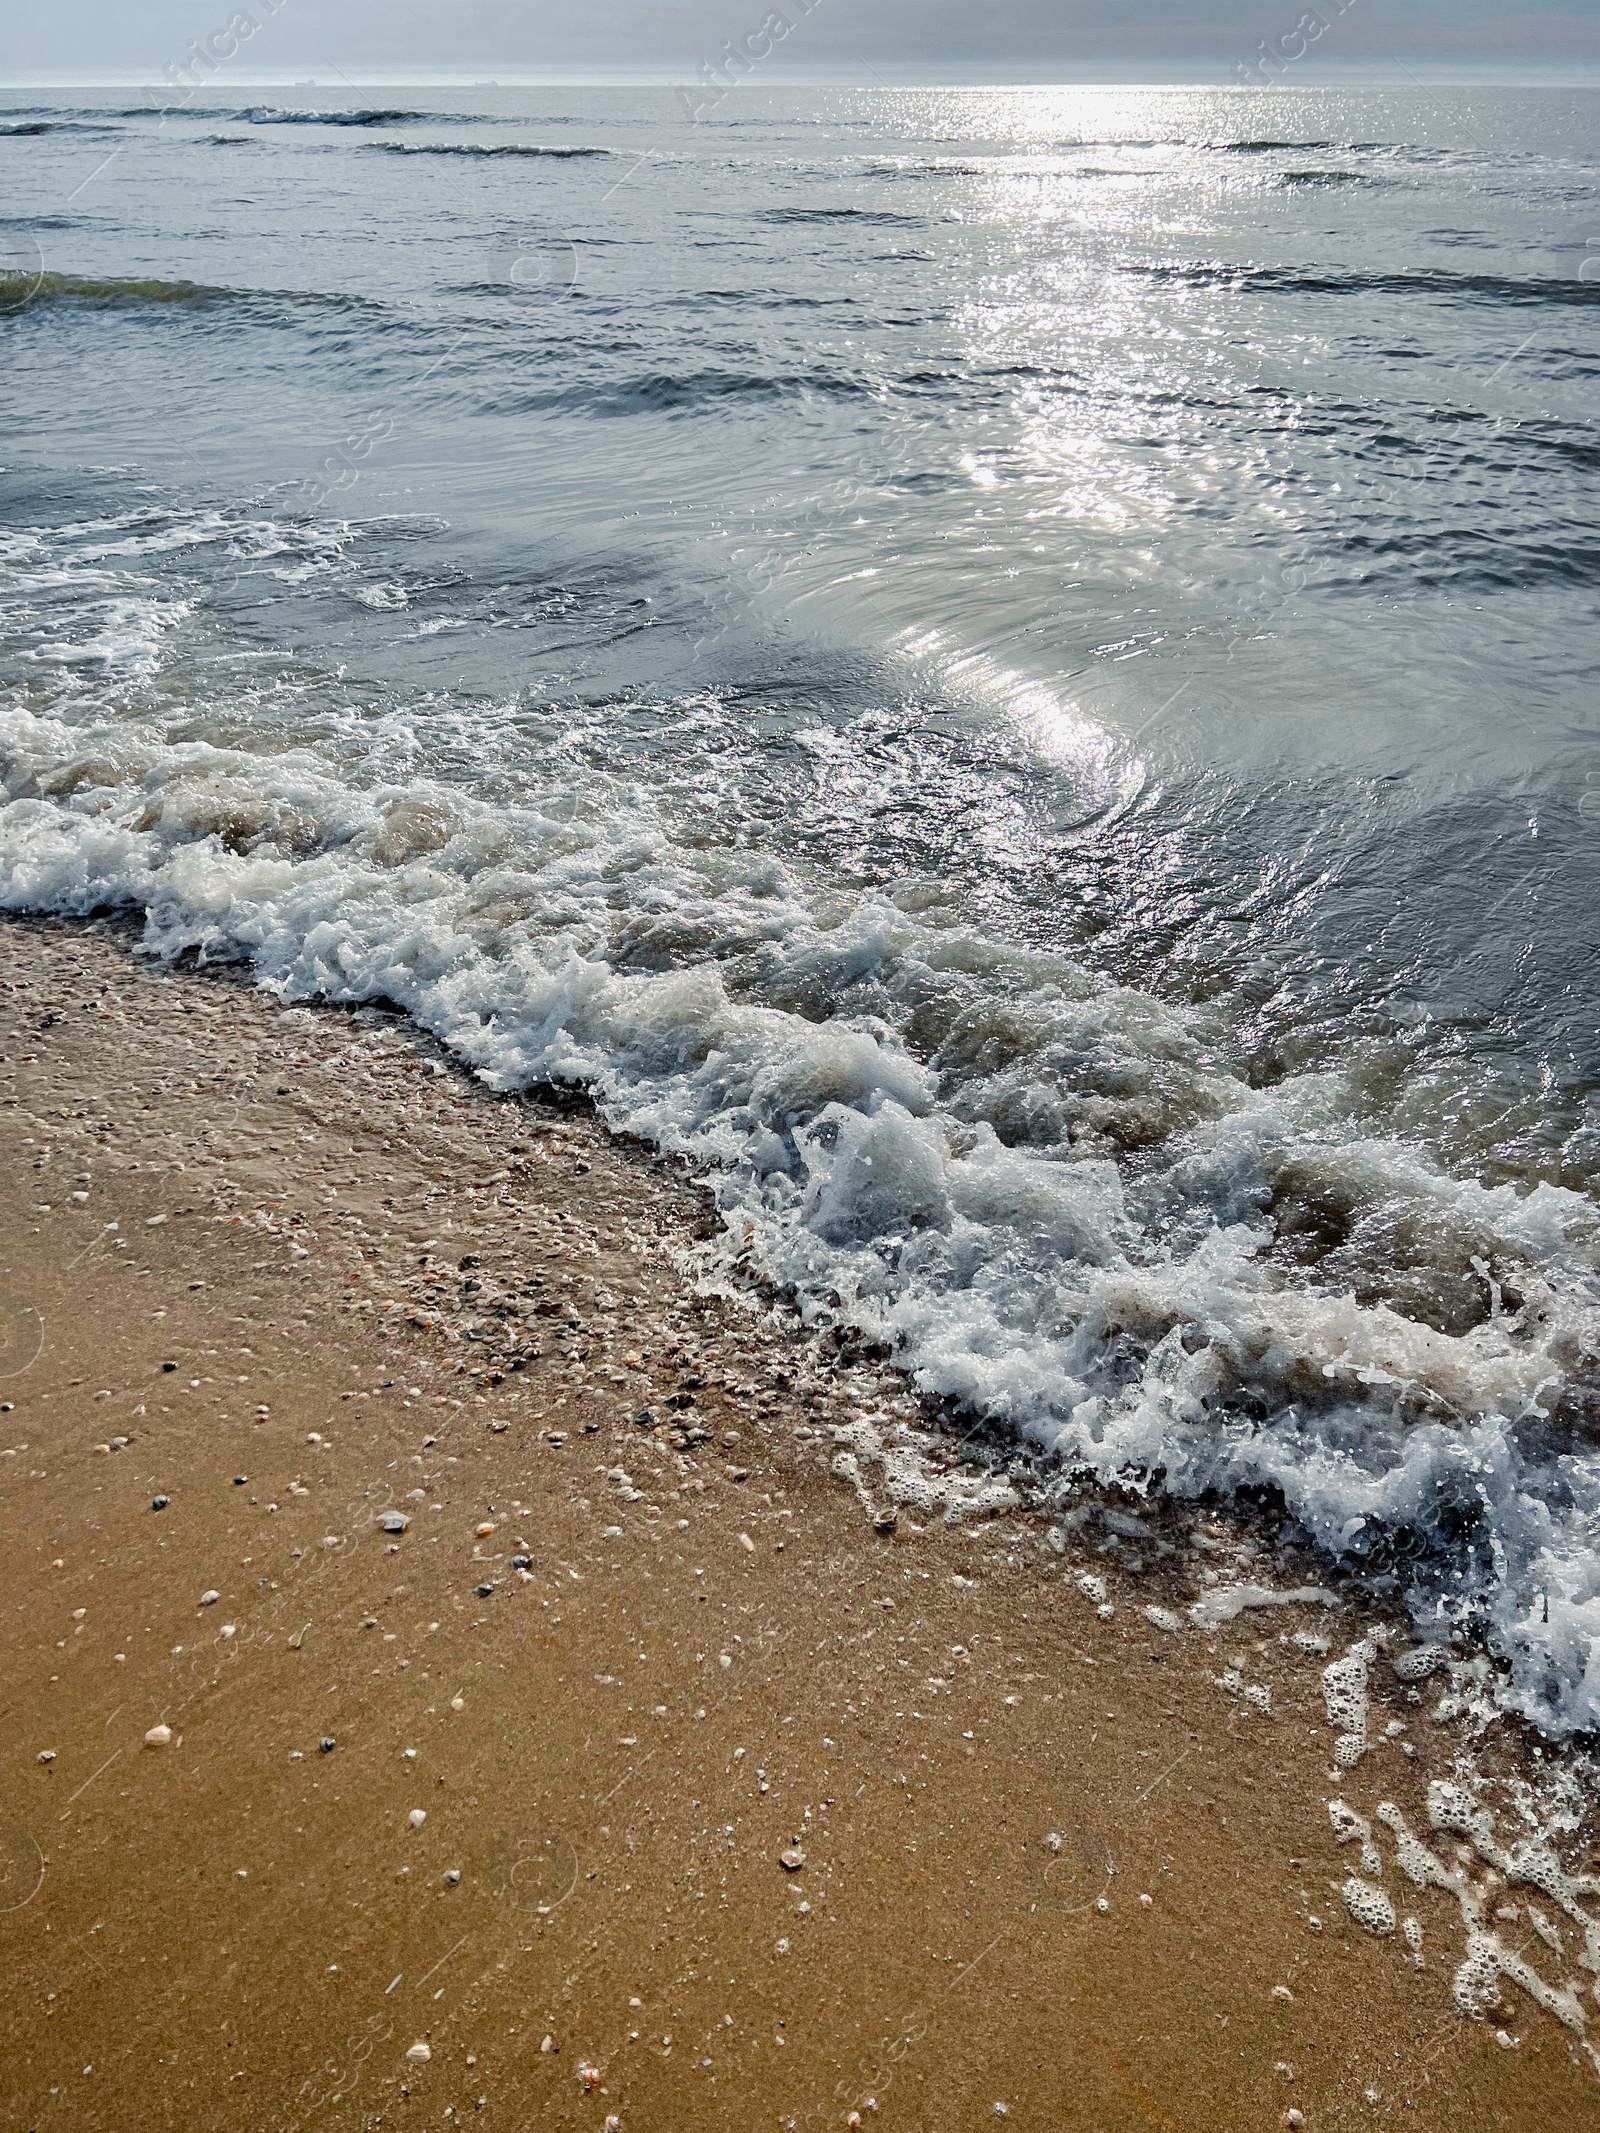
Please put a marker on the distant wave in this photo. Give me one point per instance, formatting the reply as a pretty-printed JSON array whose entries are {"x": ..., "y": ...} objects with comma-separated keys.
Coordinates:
[
  {"x": 478, "y": 148},
  {"x": 156, "y": 106},
  {"x": 1219, "y": 148},
  {"x": 125, "y": 294},
  {"x": 694, "y": 392},
  {"x": 881, "y": 216},
  {"x": 926, "y": 170},
  {"x": 379, "y": 115},
  {"x": 55, "y": 125},
  {"x": 1266, "y": 148},
  {"x": 79, "y": 118},
  {"x": 1327, "y": 177},
  {"x": 1328, "y": 281},
  {"x": 62, "y": 114},
  {"x": 94, "y": 289}
]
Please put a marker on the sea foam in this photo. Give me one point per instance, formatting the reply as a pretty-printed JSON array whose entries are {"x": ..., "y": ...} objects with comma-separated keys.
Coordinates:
[{"x": 1033, "y": 1184}]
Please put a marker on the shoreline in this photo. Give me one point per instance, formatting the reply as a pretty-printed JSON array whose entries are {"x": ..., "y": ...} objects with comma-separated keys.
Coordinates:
[{"x": 859, "y": 1811}]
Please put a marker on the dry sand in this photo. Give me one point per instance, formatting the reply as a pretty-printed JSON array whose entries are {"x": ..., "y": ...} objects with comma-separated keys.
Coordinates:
[{"x": 738, "y": 1810}]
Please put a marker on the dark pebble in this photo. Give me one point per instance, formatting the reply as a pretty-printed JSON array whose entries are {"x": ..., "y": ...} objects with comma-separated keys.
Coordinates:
[
  {"x": 159, "y": 1503},
  {"x": 327, "y": 1744},
  {"x": 484, "y": 1591}
]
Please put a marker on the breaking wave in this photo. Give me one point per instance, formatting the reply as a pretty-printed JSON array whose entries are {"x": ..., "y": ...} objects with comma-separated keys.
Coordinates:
[{"x": 1036, "y": 1187}]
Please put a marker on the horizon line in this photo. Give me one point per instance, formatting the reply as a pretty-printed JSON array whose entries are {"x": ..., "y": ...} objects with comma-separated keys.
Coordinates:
[{"x": 666, "y": 75}]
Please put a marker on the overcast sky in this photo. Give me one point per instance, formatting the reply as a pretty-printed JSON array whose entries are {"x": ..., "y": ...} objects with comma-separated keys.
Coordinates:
[{"x": 1064, "y": 40}]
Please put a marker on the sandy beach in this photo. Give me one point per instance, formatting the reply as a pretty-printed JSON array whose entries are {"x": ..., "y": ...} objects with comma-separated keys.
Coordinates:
[{"x": 455, "y": 1671}]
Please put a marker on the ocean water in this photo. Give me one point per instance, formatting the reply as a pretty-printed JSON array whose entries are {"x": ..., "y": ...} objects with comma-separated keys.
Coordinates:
[{"x": 1010, "y": 670}]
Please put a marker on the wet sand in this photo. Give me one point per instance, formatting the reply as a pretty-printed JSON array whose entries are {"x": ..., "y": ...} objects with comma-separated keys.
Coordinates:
[{"x": 738, "y": 1810}]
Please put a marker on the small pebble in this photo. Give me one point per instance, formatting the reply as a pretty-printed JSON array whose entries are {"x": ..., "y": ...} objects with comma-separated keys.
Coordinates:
[
  {"x": 327, "y": 1744},
  {"x": 47, "y": 1755},
  {"x": 451, "y": 1879},
  {"x": 485, "y": 1529},
  {"x": 159, "y": 1503},
  {"x": 791, "y": 1858},
  {"x": 209, "y": 1599},
  {"x": 419, "y": 2053},
  {"x": 158, "y": 1737},
  {"x": 417, "y": 1817}
]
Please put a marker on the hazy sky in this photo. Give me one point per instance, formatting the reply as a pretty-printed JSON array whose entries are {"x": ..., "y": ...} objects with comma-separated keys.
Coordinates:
[{"x": 910, "y": 39}]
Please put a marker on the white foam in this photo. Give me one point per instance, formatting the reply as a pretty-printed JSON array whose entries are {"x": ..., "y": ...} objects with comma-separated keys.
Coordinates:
[
  {"x": 1368, "y": 1906},
  {"x": 1476, "y": 1986},
  {"x": 1254, "y": 1695},
  {"x": 1348, "y": 1828},
  {"x": 1213, "y": 1609},
  {"x": 964, "y": 1202},
  {"x": 1344, "y": 1691}
]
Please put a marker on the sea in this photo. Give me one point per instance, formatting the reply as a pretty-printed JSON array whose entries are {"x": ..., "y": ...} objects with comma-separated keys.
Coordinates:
[{"x": 1009, "y": 672}]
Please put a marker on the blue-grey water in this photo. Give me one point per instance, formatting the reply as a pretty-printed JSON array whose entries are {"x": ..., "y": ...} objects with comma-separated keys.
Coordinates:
[{"x": 1010, "y": 669}]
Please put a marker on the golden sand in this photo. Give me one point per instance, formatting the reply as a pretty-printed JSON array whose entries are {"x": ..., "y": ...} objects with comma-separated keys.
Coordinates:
[{"x": 664, "y": 1788}]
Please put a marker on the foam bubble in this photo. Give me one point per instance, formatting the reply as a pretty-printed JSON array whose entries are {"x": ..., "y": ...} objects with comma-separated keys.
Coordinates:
[
  {"x": 1344, "y": 1691},
  {"x": 1368, "y": 1906}
]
